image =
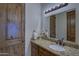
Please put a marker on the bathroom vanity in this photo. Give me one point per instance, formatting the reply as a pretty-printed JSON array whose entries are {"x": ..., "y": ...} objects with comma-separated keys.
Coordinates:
[
  {"x": 40, "y": 47},
  {"x": 40, "y": 51}
]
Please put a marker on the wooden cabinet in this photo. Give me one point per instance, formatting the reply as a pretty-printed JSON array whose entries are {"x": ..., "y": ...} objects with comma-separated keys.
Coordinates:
[
  {"x": 39, "y": 51},
  {"x": 34, "y": 49},
  {"x": 44, "y": 52}
]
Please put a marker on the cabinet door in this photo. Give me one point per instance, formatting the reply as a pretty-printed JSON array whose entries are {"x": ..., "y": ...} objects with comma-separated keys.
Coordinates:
[
  {"x": 34, "y": 49},
  {"x": 44, "y": 52},
  {"x": 71, "y": 26}
]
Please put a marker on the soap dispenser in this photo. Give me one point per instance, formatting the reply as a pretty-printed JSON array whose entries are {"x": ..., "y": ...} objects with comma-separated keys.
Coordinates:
[{"x": 34, "y": 35}]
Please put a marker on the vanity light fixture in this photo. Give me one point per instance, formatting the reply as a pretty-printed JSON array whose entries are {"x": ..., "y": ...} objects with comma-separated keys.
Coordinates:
[{"x": 56, "y": 7}]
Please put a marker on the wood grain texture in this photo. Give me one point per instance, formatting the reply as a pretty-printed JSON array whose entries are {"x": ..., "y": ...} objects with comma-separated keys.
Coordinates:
[
  {"x": 53, "y": 26},
  {"x": 39, "y": 51},
  {"x": 12, "y": 13},
  {"x": 71, "y": 26}
]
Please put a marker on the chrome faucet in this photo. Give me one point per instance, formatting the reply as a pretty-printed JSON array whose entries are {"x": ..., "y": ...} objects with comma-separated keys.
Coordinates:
[{"x": 60, "y": 42}]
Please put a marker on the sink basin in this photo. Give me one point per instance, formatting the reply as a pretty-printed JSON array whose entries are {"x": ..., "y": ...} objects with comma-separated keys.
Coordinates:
[{"x": 57, "y": 47}]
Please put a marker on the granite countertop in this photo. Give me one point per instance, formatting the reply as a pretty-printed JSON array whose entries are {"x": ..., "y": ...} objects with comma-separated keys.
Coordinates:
[{"x": 69, "y": 51}]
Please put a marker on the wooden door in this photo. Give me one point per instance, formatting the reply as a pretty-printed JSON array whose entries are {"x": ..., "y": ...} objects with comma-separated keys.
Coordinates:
[
  {"x": 71, "y": 26},
  {"x": 12, "y": 29},
  {"x": 52, "y": 26},
  {"x": 15, "y": 28}
]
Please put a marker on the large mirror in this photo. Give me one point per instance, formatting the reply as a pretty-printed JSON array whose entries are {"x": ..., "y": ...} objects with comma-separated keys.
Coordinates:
[{"x": 62, "y": 25}]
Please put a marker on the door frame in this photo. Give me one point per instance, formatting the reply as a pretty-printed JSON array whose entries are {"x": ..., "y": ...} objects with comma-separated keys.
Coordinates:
[{"x": 23, "y": 16}]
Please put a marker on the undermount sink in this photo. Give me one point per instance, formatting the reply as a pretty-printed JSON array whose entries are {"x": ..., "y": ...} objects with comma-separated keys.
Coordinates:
[{"x": 57, "y": 47}]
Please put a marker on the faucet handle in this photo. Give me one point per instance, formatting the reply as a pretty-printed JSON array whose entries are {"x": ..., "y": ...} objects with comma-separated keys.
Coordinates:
[{"x": 60, "y": 42}]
